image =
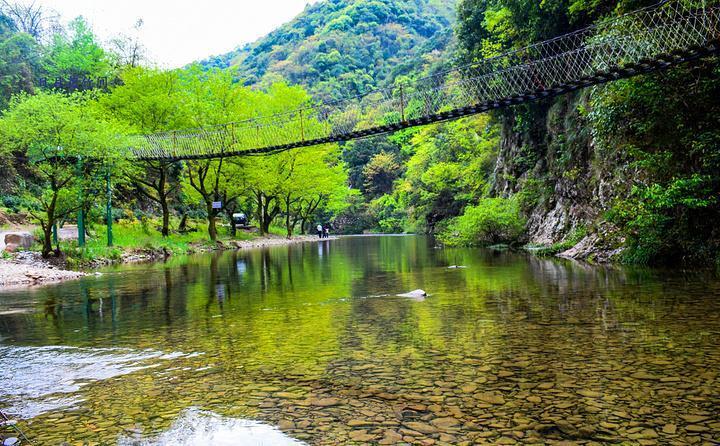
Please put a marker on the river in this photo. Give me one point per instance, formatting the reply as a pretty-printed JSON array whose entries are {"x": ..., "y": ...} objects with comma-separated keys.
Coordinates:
[{"x": 310, "y": 344}]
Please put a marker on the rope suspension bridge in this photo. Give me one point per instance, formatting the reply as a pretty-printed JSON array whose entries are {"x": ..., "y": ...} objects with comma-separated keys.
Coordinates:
[{"x": 647, "y": 40}]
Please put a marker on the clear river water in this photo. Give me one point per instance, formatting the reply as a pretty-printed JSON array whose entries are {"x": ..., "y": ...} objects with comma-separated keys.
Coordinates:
[{"x": 311, "y": 344}]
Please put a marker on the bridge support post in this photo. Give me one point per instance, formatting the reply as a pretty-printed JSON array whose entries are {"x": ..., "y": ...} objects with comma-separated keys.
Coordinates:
[
  {"x": 81, "y": 211},
  {"x": 302, "y": 126},
  {"x": 108, "y": 210},
  {"x": 81, "y": 228}
]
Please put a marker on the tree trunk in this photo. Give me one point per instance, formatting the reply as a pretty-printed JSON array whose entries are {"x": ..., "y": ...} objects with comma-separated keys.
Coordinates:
[
  {"x": 47, "y": 240},
  {"x": 47, "y": 229},
  {"x": 165, "y": 216},
  {"x": 212, "y": 229},
  {"x": 233, "y": 227},
  {"x": 261, "y": 213},
  {"x": 266, "y": 221},
  {"x": 288, "y": 226},
  {"x": 182, "y": 228}
]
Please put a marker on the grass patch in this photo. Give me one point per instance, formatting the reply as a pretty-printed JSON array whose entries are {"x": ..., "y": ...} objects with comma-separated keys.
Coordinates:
[{"x": 136, "y": 236}]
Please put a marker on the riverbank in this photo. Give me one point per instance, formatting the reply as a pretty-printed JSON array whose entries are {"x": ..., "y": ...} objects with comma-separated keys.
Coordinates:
[{"x": 29, "y": 268}]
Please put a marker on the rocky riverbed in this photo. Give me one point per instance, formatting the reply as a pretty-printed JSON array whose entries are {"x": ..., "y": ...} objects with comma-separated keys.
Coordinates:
[{"x": 512, "y": 349}]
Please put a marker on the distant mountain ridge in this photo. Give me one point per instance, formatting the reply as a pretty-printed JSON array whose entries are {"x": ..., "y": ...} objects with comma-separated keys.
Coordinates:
[{"x": 345, "y": 47}]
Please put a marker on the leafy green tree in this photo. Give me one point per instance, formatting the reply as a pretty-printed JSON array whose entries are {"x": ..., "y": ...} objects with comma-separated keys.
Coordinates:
[
  {"x": 76, "y": 52},
  {"x": 70, "y": 145},
  {"x": 19, "y": 61},
  {"x": 380, "y": 174},
  {"x": 357, "y": 154},
  {"x": 212, "y": 182},
  {"x": 214, "y": 98},
  {"x": 152, "y": 101},
  {"x": 491, "y": 221},
  {"x": 315, "y": 179}
]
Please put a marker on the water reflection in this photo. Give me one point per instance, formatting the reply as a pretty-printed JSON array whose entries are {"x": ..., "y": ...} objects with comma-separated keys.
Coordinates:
[{"x": 312, "y": 337}]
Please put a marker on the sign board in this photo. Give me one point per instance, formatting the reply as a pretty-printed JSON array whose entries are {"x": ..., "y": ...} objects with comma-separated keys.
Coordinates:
[{"x": 217, "y": 205}]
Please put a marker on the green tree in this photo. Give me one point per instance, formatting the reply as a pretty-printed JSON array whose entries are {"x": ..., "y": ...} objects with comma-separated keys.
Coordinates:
[
  {"x": 380, "y": 174},
  {"x": 314, "y": 179},
  {"x": 19, "y": 61},
  {"x": 451, "y": 167},
  {"x": 152, "y": 101},
  {"x": 70, "y": 145},
  {"x": 76, "y": 52},
  {"x": 491, "y": 221}
]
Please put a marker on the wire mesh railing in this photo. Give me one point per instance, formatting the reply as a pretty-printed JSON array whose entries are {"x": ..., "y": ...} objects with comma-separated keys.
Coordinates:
[{"x": 646, "y": 40}]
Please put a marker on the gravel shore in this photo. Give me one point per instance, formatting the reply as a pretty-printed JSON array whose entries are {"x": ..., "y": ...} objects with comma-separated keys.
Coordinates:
[
  {"x": 275, "y": 241},
  {"x": 29, "y": 268}
]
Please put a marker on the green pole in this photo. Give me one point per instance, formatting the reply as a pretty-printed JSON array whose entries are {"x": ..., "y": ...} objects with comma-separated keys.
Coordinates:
[
  {"x": 55, "y": 234},
  {"x": 81, "y": 216},
  {"x": 81, "y": 228},
  {"x": 108, "y": 210}
]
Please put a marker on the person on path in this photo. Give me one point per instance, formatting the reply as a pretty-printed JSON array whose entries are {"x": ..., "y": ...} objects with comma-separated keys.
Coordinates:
[
  {"x": 320, "y": 231},
  {"x": 327, "y": 231}
]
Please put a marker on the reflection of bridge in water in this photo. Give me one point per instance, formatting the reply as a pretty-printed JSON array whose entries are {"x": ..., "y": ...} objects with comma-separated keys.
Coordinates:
[{"x": 643, "y": 41}]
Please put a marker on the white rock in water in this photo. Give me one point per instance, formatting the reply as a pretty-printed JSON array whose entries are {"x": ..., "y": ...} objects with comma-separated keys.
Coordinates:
[
  {"x": 12, "y": 441},
  {"x": 414, "y": 294},
  {"x": 456, "y": 266}
]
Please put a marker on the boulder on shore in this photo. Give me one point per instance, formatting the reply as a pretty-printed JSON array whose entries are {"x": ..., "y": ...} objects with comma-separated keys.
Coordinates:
[{"x": 19, "y": 240}]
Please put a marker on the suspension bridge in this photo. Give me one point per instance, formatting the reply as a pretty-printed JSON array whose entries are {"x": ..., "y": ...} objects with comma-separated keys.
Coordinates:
[{"x": 646, "y": 40}]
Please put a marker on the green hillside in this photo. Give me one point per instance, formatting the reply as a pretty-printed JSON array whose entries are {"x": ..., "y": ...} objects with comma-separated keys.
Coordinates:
[{"x": 345, "y": 47}]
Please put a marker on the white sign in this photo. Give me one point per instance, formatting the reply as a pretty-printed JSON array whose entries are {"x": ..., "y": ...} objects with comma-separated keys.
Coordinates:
[{"x": 217, "y": 205}]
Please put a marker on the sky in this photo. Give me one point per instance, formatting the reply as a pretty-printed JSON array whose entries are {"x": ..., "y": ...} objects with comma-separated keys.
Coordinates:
[{"x": 177, "y": 32}]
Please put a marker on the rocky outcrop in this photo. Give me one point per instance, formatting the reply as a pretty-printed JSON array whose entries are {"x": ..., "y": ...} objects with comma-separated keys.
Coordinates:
[{"x": 549, "y": 160}]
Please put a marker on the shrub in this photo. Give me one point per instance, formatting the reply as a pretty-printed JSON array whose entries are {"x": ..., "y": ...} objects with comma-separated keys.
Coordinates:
[
  {"x": 668, "y": 223},
  {"x": 389, "y": 215},
  {"x": 491, "y": 221}
]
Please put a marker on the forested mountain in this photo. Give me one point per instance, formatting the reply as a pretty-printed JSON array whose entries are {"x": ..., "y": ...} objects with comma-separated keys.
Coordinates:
[{"x": 346, "y": 47}]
